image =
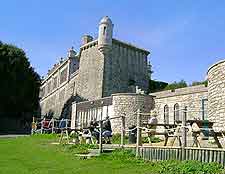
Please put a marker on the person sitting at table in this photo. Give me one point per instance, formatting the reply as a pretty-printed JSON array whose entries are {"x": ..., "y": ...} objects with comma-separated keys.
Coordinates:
[
  {"x": 152, "y": 123},
  {"x": 107, "y": 130},
  {"x": 63, "y": 123},
  {"x": 94, "y": 130}
]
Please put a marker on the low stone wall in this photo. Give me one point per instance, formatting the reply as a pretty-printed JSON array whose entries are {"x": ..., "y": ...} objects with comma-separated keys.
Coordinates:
[
  {"x": 127, "y": 104},
  {"x": 216, "y": 95}
]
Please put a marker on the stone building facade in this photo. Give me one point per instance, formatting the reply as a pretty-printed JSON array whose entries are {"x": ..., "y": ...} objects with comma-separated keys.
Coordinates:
[
  {"x": 170, "y": 104},
  {"x": 201, "y": 102},
  {"x": 102, "y": 67}
]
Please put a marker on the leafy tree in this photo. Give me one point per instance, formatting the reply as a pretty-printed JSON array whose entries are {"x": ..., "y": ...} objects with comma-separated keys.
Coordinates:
[
  {"x": 195, "y": 83},
  {"x": 155, "y": 86},
  {"x": 176, "y": 85},
  {"x": 19, "y": 89}
]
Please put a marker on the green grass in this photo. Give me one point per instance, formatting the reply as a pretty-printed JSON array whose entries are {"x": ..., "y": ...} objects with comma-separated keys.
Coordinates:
[
  {"x": 36, "y": 155},
  {"x": 116, "y": 139}
]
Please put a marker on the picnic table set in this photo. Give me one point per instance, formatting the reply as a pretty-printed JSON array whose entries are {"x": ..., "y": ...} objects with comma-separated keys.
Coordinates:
[{"x": 198, "y": 128}]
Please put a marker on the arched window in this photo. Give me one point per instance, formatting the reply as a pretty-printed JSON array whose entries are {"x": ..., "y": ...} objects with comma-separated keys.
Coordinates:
[
  {"x": 166, "y": 114},
  {"x": 186, "y": 108},
  {"x": 176, "y": 113}
]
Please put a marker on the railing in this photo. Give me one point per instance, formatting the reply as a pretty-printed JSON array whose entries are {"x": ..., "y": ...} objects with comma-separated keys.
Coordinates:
[{"x": 155, "y": 153}]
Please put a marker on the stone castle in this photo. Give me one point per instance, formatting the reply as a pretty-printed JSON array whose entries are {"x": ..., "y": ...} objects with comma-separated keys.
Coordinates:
[
  {"x": 109, "y": 77},
  {"x": 101, "y": 67}
]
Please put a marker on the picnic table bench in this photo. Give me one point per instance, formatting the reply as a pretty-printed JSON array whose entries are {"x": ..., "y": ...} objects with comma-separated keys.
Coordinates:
[
  {"x": 171, "y": 131},
  {"x": 205, "y": 128}
]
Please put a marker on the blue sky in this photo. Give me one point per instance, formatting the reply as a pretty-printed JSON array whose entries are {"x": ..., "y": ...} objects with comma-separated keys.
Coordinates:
[{"x": 184, "y": 37}]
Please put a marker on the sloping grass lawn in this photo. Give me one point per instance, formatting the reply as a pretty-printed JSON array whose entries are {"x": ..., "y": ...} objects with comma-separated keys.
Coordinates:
[{"x": 36, "y": 155}]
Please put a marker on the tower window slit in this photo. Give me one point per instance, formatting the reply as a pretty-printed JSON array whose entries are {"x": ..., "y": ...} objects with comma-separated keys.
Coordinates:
[{"x": 104, "y": 30}]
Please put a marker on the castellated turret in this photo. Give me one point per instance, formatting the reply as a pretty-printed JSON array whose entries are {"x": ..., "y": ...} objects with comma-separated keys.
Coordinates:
[{"x": 105, "y": 35}]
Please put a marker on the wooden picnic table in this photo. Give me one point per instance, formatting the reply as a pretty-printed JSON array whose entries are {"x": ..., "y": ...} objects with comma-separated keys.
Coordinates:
[
  {"x": 167, "y": 133},
  {"x": 205, "y": 128}
]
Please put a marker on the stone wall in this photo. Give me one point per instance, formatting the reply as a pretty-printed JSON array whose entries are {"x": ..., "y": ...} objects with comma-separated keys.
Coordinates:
[
  {"x": 216, "y": 85},
  {"x": 91, "y": 69},
  {"x": 125, "y": 65},
  {"x": 55, "y": 100},
  {"x": 127, "y": 104},
  {"x": 190, "y": 97}
]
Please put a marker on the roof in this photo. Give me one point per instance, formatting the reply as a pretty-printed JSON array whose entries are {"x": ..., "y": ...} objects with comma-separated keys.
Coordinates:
[
  {"x": 215, "y": 64},
  {"x": 181, "y": 91},
  {"x": 106, "y": 19}
]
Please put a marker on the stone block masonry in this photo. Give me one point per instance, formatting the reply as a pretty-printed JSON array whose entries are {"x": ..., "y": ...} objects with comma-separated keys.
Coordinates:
[
  {"x": 127, "y": 104},
  {"x": 216, "y": 94},
  {"x": 192, "y": 98},
  {"x": 91, "y": 69}
]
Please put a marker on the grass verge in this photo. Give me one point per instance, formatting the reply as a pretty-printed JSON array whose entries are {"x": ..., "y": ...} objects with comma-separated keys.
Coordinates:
[{"x": 36, "y": 155}]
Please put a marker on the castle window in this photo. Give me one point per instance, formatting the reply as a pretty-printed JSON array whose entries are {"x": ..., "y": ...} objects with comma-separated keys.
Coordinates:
[
  {"x": 166, "y": 114},
  {"x": 176, "y": 113},
  {"x": 185, "y": 110},
  {"x": 104, "y": 30},
  {"x": 204, "y": 109}
]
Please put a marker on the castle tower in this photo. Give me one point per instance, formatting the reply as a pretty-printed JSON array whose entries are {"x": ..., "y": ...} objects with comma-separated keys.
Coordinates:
[{"x": 105, "y": 35}]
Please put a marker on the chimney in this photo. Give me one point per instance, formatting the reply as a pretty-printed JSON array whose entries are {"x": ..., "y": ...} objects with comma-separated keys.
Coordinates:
[{"x": 86, "y": 39}]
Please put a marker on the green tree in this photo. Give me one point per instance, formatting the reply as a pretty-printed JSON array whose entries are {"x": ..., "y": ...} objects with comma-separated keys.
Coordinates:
[
  {"x": 176, "y": 85},
  {"x": 19, "y": 89},
  {"x": 195, "y": 83},
  {"x": 155, "y": 86}
]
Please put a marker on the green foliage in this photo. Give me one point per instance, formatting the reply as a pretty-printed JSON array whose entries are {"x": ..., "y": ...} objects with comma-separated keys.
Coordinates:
[
  {"x": 176, "y": 85},
  {"x": 78, "y": 148},
  {"x": 19, "y": 89},
  {"x": 123, "y": 155},
  {"x": 155, "y": 86},
  {"x": 153, "y": 139},
  {"x": 131, "y": 82},
  {"x": 116, "y": 139},
  {"x": 188, "y": 167},
  {"x": 200, "y": 83}
]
